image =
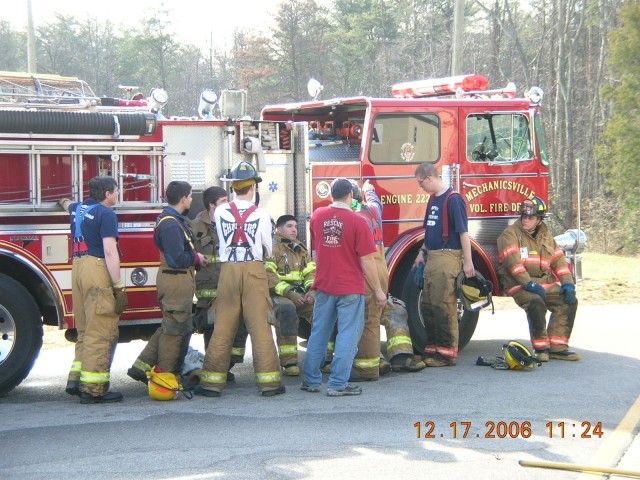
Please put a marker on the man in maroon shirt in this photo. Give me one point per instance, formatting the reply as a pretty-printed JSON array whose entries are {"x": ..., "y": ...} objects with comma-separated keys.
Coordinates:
[{"x": 344, "y": 255}]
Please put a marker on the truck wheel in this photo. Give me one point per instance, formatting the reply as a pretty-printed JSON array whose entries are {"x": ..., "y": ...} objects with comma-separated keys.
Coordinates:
[
  {"x": 20, "y": 333},
  {"x": 412, "y": 296}
]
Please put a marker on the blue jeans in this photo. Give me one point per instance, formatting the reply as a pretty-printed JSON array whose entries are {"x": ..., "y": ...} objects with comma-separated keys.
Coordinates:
[{"x": 348, "y": 311}]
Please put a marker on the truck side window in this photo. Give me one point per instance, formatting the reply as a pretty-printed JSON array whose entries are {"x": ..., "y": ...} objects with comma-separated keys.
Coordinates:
[
  {"x": 495, "y": 137},
  {"x": 405, "y": 138}
]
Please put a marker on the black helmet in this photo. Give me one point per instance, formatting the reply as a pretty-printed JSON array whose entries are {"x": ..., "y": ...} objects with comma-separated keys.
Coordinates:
[
  {"x": 475, "y": 292},
  {"x": 534, "y": 206},
  {"x": 244, "y": 171}
]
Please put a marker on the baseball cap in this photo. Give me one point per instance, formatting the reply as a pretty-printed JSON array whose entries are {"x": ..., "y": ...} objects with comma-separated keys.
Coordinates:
[{"x": 340, "y": 188}]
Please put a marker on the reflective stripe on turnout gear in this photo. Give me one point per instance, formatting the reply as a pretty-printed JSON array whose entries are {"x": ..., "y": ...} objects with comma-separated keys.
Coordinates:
[
  {"x": 366, "y": 362},
  {"x": 281, "y": 288},
  {"x": 237, "y": 352},
  {"x": 140, "y": 365},
  {"x": 76, "y": 366},
  {"x": 268, "y": 377},
  {"x": 94, "y": 377},
  {"x": 213, "y": 377},
  {"x": 287, "y": 350},
  {"x": 447, "y": 352},
  {"x": 399, "y": 340},
  {"x": 513, "y": 290},
  {"x": 206, "y": 293},
  {"x": 540, "y": 343}
]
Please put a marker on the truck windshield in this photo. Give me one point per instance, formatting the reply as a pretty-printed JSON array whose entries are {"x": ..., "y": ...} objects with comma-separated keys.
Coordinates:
[
  {"x": 405, "y": 138},
  {"x": 498, "y": 137},
  {"x": 544, "y": 159}
]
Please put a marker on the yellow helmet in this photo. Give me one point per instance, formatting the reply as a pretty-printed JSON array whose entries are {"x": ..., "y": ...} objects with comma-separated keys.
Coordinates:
[
  {"x": 163, "y": 385},
  {"x": 474, "y": 293},
  {"x": 517, "y": 356}
]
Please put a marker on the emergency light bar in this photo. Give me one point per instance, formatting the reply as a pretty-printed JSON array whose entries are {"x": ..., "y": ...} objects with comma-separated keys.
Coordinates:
[{"x": 439, "y": 86}]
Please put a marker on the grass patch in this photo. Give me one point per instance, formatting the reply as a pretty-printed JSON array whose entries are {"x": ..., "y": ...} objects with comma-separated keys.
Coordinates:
[{"x": 609, "y": 279}]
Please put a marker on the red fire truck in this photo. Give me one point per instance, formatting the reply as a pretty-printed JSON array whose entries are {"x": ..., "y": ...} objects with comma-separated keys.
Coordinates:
[
  {"x": 487, "y": 144},
  {"x": 55, "y": 134}
]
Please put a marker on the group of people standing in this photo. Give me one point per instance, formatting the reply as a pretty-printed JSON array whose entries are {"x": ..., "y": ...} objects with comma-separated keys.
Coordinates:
[{"x": 246, "y": 279}]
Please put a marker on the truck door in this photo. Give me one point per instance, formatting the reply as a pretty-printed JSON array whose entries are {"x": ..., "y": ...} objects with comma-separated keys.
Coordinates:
[{"x": 498, "y": 170}]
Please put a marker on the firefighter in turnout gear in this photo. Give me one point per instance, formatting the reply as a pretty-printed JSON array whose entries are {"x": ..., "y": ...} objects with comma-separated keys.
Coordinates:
[
  {"x": 367, "y": 365},
  {"x": 244, "y": 231},
  {"x": 446, "y": 252},
  {"x": 290, "y": 271},
  {"x": 207, "y": 243},
  {"x": 98, "y": 291},
  {"x": 175, "y": 285},
  {"x": 533, "y": 270}
]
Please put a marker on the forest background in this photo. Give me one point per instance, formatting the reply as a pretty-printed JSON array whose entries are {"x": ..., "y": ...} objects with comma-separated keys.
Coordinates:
[{"x": 584, "y": 54}]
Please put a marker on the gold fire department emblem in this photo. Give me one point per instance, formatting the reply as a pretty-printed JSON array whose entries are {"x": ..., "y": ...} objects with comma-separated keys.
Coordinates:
[{"x": 407, "y": 151}]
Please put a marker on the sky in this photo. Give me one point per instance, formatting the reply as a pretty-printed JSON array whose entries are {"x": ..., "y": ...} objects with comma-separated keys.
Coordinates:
[{"x": 194, "y": 21}]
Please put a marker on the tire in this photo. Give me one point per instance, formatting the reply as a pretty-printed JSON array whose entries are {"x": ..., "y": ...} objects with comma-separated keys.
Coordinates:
[
  {"x": 20, "y": 333},
  {"x": 412, "y": 296}
]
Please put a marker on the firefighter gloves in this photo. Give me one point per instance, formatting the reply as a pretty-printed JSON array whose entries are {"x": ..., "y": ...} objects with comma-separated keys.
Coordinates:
[
  {"x": 419, "y": 276},
  {"x": 569, "y": 292},
  {"x": 122, "y": 302},
  {"x": 537, "y": 289}
]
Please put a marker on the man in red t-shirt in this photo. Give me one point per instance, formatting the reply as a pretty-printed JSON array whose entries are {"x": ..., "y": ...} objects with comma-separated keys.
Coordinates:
[{"x": 344, "y": 256}]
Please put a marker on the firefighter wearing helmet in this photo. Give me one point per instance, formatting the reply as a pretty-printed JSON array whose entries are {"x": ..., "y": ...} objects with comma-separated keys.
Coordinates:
[
  {"x": 533, "y": 270},
  {"x": 244, "y": 231},
  {"x": 207, "y": 243}
]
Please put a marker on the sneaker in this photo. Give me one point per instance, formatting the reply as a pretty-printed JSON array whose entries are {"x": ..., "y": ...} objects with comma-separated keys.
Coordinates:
[
  {"x": 326, "y": 368},
  {"x": 440, "y": 361},
  {"x": 73, "y": 388},
  {"x": 272, "y": 393},
  {"x": 344, "y": 392},
  {"x": 205, "y": 392},
  {"x": 109, "y": 397},
  {"x": 410, "y": 364},
  {"x": 309, "y": 388},
  {"x": 542, "y": 355},
  {"x": 291, "y": 370},
  {"x": 565, "y": 355},
  {"x": 355, "y": 377},
  {"x": 138, "y": 375}
]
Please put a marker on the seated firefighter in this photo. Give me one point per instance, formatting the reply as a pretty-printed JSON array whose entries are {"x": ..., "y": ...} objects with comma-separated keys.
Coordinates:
[
  {"x": 290, "y": 271},
  {"x": 531, "y": 263}
]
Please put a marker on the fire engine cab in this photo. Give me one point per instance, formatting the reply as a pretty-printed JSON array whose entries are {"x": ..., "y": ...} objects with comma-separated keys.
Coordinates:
[
  {"x": 56, "y": 134},
  {"x": 487, "y": 144}
]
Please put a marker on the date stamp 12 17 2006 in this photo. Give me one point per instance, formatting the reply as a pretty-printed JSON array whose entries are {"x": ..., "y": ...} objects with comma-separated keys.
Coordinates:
[{"x": 506, "y": 429}]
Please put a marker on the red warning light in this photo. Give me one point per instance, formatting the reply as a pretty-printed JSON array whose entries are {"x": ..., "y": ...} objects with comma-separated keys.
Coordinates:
[{"x": 439, "y": 86}]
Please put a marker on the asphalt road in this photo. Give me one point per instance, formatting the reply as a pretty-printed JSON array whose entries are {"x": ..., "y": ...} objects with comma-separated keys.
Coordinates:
[{"x": 507, "y": 415}]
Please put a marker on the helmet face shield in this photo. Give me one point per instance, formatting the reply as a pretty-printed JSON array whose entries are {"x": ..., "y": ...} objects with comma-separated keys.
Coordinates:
[
  {"x": 474, "y": 293},
  {"x": 534, "y": 206},
  {"x": 527, "y": 208},
  {"x": 518, "y": 357}
]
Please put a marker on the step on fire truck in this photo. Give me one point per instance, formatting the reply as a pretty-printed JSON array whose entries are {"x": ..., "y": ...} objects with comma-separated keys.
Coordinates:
[{"x": 56, "y": 134}]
